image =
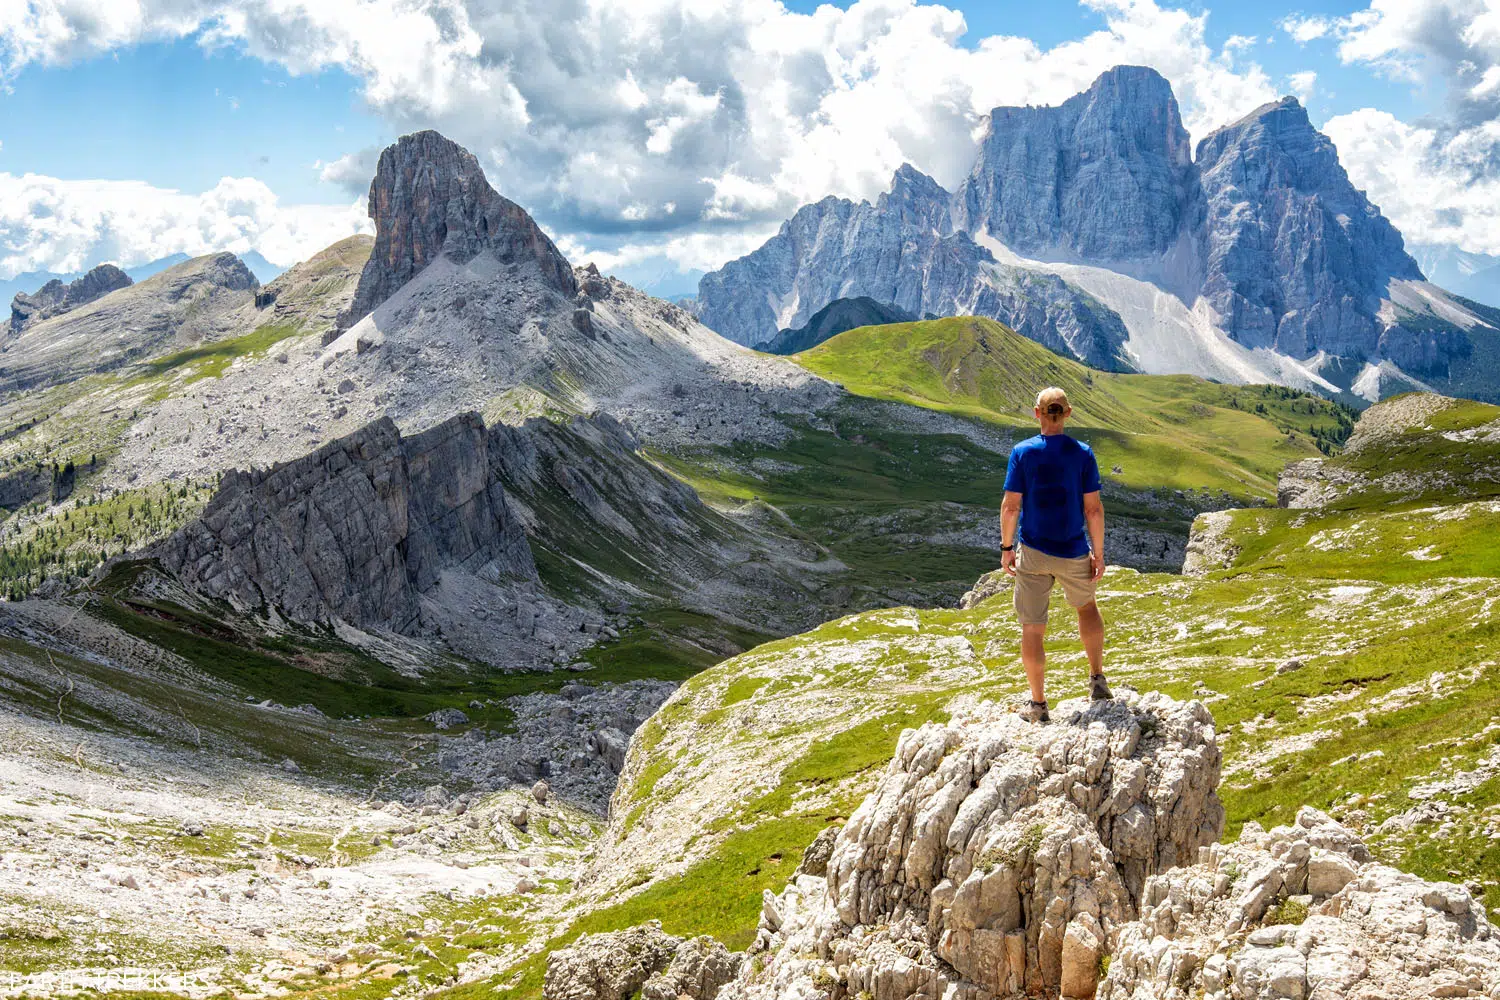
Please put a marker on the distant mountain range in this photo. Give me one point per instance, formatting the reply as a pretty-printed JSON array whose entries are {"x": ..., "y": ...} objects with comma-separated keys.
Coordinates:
[
  {"x": 1094, "y": 228},
  {"x": 1474, "y": 275},
  {"x": 30, "y": 281}
]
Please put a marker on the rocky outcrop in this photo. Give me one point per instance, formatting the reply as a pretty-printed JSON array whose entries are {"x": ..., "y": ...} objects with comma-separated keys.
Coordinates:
[
  {"x": 1302, "y": 912},
  {"x": 357, "y": 530},
  {"x": 1297, "y": 259},
  {"x": 55, "y": 298},
  {"x": 996, "y": 858},
  {"x": 900, "y": 251},
  {"x": 1211, "y": 544},
  {"x": 1104, "y": 176},
  {"x": 430, "y": 198},
  {"x": 642, "y": 962},
  {"x": 839, "y": 316}
]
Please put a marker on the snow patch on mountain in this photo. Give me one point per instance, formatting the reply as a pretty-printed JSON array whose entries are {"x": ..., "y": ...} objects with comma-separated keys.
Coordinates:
[
  {"x": 1385, "y": 378},
  {"x": 1168, "y": 336}
]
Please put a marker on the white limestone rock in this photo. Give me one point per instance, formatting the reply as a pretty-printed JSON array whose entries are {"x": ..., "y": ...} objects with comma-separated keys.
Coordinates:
[
  {"x": 996, "y": 857},
  {"x": 1354, "y": 929}
]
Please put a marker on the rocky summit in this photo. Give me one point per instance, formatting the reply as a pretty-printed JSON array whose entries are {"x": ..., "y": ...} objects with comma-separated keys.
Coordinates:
[
  {"x": 55, "y": 297},
  {"x": 1317, "y": 285},
  {"x": 430, "y": 198},
  {"x": 1105, "y": 175},
  {"x": 998, "y": 859}
]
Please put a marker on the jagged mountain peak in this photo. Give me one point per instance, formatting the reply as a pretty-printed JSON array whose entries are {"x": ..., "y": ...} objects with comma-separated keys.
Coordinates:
[
  {"x": 907, "y": 175},
  {"x": 1285, "y": 111},
  {"x": 57, "y": 297},
  {"x": 1099, "y": 176},
  {"x": 1255, "y": 260},
  {"x": 1134, "y": 87},
  {"x": 430, "y": 198},
  {"x": 918, "y": 200},
  {"x": 1299, "y": 259}
]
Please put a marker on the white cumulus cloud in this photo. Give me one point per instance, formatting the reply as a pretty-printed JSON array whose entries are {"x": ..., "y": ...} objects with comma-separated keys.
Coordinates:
[
  {"x": 48, "y": 224},
  {"x": 1436, "y": 190},
  {"x": 620, "y": 119},
  {"x": 1437, "y": 179}
]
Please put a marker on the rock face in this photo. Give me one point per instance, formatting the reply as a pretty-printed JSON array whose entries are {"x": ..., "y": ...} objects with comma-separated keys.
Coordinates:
[
  {"x": 1297, "y": 258},
  {"x": 430, "y": 198},
  {"x": 996, "y": 858},
  {"x": 439, "y": 533},
  {"x": 838, "y": 316},
  {"x": 1105, "y": 175},
  {"x": 903, "y": 252},
  {"x": 1211, "y": 545},
  {"x": 357, "y": 530},
  {"x": 640, "y": 962},
  {"x": 1302, "y": 912},
  {"x": 55, "y": 298}
]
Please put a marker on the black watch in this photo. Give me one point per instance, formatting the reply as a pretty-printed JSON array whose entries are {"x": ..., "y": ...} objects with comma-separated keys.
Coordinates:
[{"x": 1007, "y": 548}]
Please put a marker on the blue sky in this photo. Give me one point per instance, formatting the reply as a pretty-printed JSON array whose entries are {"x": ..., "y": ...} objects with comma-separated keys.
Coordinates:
[{"x": 664, "y": 137}]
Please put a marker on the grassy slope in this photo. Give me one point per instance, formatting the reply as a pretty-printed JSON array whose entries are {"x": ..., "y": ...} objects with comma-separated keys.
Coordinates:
[
  {"x": 1165, "y": 432},
  {"x": 1400, "y": 686},
  {"x": 1369, "y": 657},
  {"x": 1426, "y": 502},
  {"x": 874, "y": 487}
]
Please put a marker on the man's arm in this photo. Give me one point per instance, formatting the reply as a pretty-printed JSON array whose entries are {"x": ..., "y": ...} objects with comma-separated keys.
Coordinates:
[
  {"x": 1093, "y": 515},
  {"x": 1010, "y": 516}
]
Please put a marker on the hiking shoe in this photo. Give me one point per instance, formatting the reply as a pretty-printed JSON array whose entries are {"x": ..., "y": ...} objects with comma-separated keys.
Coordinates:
[
  {"x": 1033, "y": 711},
  {"x": 1099, "y": 688}
]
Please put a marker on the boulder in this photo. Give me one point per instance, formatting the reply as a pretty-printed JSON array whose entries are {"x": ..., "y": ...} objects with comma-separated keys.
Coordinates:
[
  {"x": 446, "y": 718},
  {"x": 700, "y": 967},
  {"x": 643, "y": 962},
  {"x": 1302, "y": 912},
  {"x": 610, "y": 744},
  {"x": 612, "y": 966},
  {"x": 815, "y": 858},
  {"x": 992, "y": 584}
]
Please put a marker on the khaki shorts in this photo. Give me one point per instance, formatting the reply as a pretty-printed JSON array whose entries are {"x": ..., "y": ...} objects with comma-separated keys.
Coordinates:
[{"x": 1035, "y": 572}]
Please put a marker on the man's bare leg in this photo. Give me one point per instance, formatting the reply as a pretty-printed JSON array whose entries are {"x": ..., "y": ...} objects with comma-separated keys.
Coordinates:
[
  {"x": 1091, "y": 631},
  {"x": 1034, "y": 659}
]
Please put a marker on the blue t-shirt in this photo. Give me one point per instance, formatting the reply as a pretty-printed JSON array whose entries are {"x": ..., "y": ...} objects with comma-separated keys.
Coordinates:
[{"x": 1052, "y": 473}]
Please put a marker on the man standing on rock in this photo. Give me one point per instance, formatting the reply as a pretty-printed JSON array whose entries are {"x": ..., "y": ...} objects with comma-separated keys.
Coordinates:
[{"x": 1052, "y": 529}]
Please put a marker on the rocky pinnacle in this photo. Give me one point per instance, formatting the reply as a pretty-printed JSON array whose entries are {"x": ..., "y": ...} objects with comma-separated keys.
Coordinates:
[
  {"x": 55, "y": 298},
  {"x": 430, "y": 198}
]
